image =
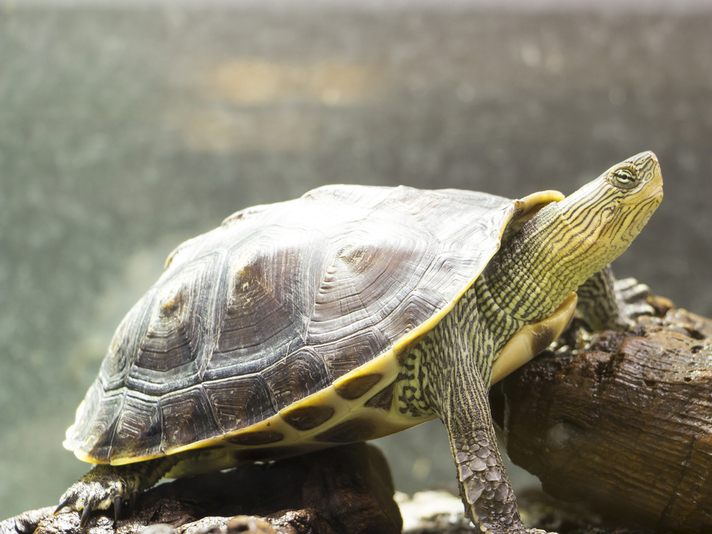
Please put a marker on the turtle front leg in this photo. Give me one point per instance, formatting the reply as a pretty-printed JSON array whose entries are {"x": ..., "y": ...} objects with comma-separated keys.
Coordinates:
[
  {"x": 605, "y": 303},
  {"x": 484, "y": 486},
  {"x": 105, "y": 485}
]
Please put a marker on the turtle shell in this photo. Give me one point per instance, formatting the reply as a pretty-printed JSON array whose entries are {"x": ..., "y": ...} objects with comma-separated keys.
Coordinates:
[{"x": 285, "y": 326}]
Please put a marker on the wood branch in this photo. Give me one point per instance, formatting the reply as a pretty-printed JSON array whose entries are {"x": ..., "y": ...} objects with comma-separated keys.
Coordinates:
[
  {"x": 624, "y": 422},
  {"x": 340, "y": 490}
]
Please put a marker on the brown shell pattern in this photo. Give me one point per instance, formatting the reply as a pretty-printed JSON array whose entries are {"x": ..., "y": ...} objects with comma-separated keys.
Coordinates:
[{"x": 276, "y": 304}]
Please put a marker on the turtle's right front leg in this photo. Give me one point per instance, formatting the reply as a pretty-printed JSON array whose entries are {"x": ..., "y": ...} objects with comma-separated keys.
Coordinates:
[
  {"x": 105, "y": 485},
  {"x": 484, "y": 486},
  {"x": 606, "y": 303}
]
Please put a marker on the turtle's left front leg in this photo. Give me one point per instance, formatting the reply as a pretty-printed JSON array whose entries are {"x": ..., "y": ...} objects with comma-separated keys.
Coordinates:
[
  {"x": 605, "y": 303},
  {"x": 484, "y": 486}
]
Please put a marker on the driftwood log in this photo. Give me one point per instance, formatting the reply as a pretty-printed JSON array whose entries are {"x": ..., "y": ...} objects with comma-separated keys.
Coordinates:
[
  {"x": 343, "y": 490},
  {"x": 622, "y": 421}
]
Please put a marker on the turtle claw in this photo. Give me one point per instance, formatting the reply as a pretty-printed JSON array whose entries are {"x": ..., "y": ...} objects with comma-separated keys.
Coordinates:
[
  {"x": 85, "y": 516},
  {"x": 630, "y": 290},
  {"x": 633, "y": 299},
  {"x": 133, "y": 499},
  {"x": 64, "y": 503},
  {"x": 118, "y": 501}
]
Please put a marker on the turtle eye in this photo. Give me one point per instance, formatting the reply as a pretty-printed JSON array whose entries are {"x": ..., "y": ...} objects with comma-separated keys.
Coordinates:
[{"x": 624, "y": 177}]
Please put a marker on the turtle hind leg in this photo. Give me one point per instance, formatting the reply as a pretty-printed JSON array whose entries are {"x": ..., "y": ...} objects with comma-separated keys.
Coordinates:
[
  {"x": 106, "y": 485},
  {"x": 605, "y": 303}
]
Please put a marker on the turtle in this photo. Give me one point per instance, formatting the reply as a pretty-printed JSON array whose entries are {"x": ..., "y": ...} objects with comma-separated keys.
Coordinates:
[{"x": 348, "y": 314}]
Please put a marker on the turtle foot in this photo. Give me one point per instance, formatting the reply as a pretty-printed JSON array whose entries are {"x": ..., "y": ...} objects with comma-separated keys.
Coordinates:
[
  {"x": 107, "y": 485},
  {"x": 633, "y": 299},
  {"x": 609, "y": 304},
  {"x": 100, "y": 488}
]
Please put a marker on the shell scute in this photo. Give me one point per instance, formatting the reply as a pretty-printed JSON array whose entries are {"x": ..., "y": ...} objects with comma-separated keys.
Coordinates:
[
  {"x": 343, "y": 355},
  {"x": 138, "y": 428},
  {"x": 166, "y": 344},
  {"x": 124, "y": 345},
  {"x": 297, "y": 376},
  {"x": 359, "y": 294},
  {"x": 186, "y": 416},
  {"x": 239, "y": 401},
  {"x": 97, "y": 415},
  {"x": 383, "y": 400},
  {"x": 357, "y": 386},
  {"x": 351, "y": 431},
  {"x": 254, "y": 313},
  {"x": 308, "y": 417},
  {"x": 258, "y": 437}
]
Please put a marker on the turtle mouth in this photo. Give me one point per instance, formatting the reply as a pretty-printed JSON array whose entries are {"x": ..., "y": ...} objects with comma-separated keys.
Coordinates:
[
  {"x": 653, "y": 198},
  {"x": 657, "y": 192}
]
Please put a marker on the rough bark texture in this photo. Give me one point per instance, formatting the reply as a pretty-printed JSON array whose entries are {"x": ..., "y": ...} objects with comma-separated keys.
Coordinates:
[
  {"x": 622, "y": 421},
  {"x": 341, "y": 490}
]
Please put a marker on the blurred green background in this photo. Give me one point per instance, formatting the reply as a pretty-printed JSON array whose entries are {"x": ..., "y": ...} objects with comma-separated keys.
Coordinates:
[{"x": 126, "y": 128}]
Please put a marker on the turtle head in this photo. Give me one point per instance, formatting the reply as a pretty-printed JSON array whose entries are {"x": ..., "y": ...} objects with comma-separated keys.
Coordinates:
[
  {"x": 609, "y": 212},
  {"x": 568, "y": 241}
]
